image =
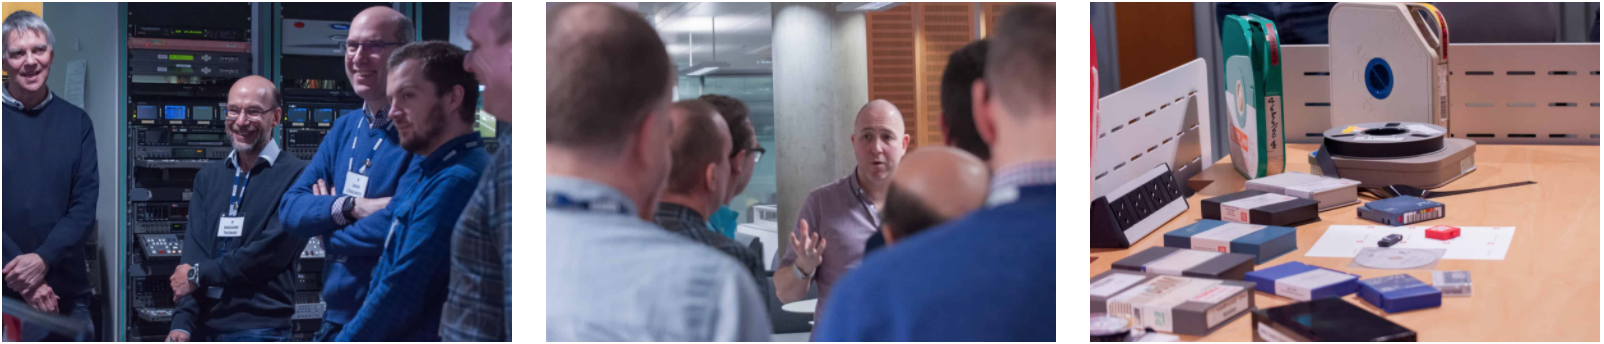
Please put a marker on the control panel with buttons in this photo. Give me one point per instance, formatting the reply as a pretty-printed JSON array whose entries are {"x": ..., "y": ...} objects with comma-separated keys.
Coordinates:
[{"x": 161, "y": 246}]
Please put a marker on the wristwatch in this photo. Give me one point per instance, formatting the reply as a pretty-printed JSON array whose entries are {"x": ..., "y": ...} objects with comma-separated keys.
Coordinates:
[
  {"x": 194, "y": 274},
  {"x": 350, "y": 204},
  {"x": 798, "y": 270}
]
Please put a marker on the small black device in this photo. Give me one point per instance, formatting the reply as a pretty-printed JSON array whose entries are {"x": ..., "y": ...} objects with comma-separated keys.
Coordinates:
[{"x": 1390, "y": 240}]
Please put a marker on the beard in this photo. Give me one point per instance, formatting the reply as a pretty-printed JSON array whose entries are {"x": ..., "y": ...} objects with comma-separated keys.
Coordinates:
[
  {"x": 254, "y": 146},
  {"x": 425, "y": 131}
]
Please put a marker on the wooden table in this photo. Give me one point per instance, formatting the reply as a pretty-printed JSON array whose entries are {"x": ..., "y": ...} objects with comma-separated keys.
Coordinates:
[{"x": 1546, "y": 288}]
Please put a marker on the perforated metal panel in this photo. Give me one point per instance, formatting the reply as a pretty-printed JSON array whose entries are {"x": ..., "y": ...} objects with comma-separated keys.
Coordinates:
[
  {"x": 1163, "y": 120},
  {"x": 1543, "y": 93}
]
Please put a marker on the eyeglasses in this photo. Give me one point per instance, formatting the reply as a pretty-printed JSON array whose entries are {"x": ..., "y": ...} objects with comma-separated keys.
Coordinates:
[
  {"x": 251, "y": 113},
  {"x": 351, "y": 48},
  {"x": 757, "y": 154}
]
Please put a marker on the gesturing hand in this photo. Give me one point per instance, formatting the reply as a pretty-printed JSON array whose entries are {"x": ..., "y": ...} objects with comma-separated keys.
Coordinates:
[{"x": 809, "y": 249}]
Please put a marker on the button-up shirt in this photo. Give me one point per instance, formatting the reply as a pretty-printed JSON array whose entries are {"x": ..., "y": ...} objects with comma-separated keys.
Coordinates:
[
  {"x": 479, "y": 305},
  {"x": 685, "y": 221},
  {"x": 611, "y": 276},
  {"x": 844, "y": 216}
]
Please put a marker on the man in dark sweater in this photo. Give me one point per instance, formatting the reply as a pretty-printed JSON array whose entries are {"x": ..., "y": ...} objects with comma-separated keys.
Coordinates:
[
  {"x": 51, "y": 184},
  {"x": 237, "y": 279}
]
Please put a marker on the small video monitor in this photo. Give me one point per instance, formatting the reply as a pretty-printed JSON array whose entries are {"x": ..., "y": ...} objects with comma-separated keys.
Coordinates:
[
  {"x": 204, "y": 113},
  {"x": 146, "y": 112},
  {"x": 175, "y": 112},
  {"x": 323, "y": 116},
  {"x": 299, "y": 115}
]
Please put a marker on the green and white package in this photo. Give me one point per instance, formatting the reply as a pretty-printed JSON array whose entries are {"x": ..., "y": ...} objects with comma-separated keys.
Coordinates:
[{"x": 1252, "y": 55}]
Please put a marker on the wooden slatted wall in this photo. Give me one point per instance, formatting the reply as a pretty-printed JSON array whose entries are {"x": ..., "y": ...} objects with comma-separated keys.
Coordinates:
[{"x": 891, "y": 46}]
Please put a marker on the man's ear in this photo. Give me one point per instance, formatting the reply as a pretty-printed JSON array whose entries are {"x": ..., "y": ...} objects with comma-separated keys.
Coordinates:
[
  {"x": 455, "y": 100},
  {"x": 981, "y": 106},
  {"x": 708, "y": 180},
  {"x": 905, "y": 141}
]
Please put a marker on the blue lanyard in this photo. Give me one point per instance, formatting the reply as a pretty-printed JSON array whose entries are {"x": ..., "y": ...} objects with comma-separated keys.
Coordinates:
[
  {"x": 563, "y": 201},
  {"x": 236, "y": 195}
]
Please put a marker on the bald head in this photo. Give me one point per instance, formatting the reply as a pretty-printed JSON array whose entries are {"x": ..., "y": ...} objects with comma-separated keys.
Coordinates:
[
  {"x": 606, "y": 71},
  {"x": 934, "y": 184},
  {"x": 878, "y": 141},
  {"x": 385, "y": 20},
  {"x": 252, "y": 113},
  {"x": 879, "y": 112}
]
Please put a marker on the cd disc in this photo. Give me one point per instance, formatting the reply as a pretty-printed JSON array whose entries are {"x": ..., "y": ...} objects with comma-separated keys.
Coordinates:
[{"x": 1396, "y": 258}]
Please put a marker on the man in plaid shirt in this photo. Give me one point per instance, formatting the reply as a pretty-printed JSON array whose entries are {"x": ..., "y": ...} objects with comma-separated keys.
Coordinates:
[{"x": 479, "y": 305}]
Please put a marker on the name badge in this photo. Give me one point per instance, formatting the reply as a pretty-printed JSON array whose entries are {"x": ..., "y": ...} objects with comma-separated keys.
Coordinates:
[
  {"x": 356, "y": 185},
  {"x": 230, "y": 227}
]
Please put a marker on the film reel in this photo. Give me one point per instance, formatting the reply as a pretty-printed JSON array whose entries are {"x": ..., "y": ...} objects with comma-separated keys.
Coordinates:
[{"x": 1385, "y": 140}]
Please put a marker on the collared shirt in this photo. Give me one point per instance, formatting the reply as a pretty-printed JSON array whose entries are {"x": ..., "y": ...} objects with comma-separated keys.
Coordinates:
[
  {"x": 724, "y": 220},
  {"x": 411, "y": 281},
  {"x": 13, "y": 102},
  {"x": 611, "y": 276},
  {"x": 845, "y": 217},
  {"x": 268, "y": 155},
  {"x": 685, "y": 221},
  {"x": 377, "y": 119},
  {"x": 479, "y": 304},
  {"x": 1005, "y": 186}
]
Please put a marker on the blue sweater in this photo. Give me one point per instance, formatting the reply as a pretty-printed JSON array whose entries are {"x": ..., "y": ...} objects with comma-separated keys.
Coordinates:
[
  {"x": 989, "y": 276},
  {"x": 410, "y": 283},
  {"x": 51, "y": 185},
  {"x": 352, "y": 250}
]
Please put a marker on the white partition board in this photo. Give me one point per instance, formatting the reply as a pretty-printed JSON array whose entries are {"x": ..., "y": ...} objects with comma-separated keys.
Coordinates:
[{"x": 1163, "y": 120}]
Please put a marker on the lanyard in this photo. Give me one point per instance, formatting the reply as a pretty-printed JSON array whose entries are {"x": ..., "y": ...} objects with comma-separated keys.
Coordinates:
[
  {"x": 237, "y": 195},
  {"x": 564, "y": 202},
  {"x": 857, "y": 191},
  {"x": 350, "y": 164}
]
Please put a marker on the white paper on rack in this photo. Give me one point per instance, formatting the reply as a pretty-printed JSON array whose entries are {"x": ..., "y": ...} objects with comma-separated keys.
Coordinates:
[{"x": 1473, "y": 243}]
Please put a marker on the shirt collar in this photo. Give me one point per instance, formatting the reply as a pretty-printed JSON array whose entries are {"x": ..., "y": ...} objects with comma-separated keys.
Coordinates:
[
  {"x": 13, "y": 102},
  {"x": 681, "y": 212},
  {"x": 1005, "y": 186},
  {"x": 857, "y": 189},
  {"x": 449, "y": 153},
  {"x": 597, "y": 194},
  {"x": 377, "y": 119},
  {"x": 269, "y": 155}
]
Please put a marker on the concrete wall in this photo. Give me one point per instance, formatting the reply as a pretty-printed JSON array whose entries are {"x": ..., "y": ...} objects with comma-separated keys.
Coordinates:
[
  {"x": 820, "y": 81},
  {"x": 88, "y": 31}
]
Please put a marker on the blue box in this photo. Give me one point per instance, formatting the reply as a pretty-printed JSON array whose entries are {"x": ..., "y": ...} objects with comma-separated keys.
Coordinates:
[
  {"x": 1260, "y": 241},
  {"x": 1303, "y": 282},
  {"x": 1399, "y": 293}
]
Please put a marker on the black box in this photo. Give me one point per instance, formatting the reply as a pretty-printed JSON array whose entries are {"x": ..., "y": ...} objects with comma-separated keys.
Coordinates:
[
  {"x": 1325, "y": 320},
  {"x": 1261, "y": 208}
]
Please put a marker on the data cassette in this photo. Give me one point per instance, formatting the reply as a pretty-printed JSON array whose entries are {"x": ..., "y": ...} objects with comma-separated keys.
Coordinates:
[
  {"x": 1181, "y": 305},
  {"x": 1252, "y": 55},
  {"x": 1263, "y": 242},
  {"x": 1387, "y": 65},
  {"x": 1263, "y": 208},
  {"x": 1303, "y": 282},
  {"x": 1187, "y": 262},
  {"x": 1399, "y": 293},
  {"x": 1330, "y": 192},
  {"x": 1452, "y": 283},
  {"x": 1402, "y": 211}
]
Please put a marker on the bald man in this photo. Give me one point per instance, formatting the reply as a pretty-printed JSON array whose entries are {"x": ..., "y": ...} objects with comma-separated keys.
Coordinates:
[
  {"x": 236, "y": 281},
  {"x": 1003, "y": 253},
  {"x": 838, "y": 218},
  {"x": 349, "y": 182},
  {"x": 933, "y": 185}
]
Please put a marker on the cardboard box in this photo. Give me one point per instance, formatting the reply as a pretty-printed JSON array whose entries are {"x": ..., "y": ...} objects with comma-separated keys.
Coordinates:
[
  {"x": 1262, "y": 242},
  {"x": 1303, "y": 282},
  {"x": 1325, "y": 320},
  {"x": 1187, "y": 262},
  {"x": 1399, "y": 293},
  {"x": 1330, "y": 192},
  {"x": 1180, "y": 305},
  {"x": 1261, "y": 208}
]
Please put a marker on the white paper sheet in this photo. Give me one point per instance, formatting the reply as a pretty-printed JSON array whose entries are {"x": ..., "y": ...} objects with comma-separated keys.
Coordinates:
[
  {"x": 76, "y": 73},
  {"x": 1473, "y": 243}
]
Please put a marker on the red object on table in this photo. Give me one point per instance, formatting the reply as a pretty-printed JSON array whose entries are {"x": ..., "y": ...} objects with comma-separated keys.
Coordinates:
[
  {"x": 1442, "y": 232},
  {"x": 13, "y": 329}
]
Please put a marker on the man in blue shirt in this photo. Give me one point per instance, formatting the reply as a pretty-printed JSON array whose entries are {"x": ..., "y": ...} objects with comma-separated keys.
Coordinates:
[
  {"x": 988, "y": 276},
  {"x": 479, "y": 308},
  {"x": 433, "y": 107},
  {"x": 50, "y": 186},
  {"x": 343, "y": 193}
]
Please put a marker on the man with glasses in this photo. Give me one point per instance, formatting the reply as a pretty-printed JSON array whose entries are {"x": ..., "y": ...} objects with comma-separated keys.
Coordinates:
[
  {"x": 742, "y": 161},
  {"x": 237, "y": 280},
  {"x": 360, "y": 165}
]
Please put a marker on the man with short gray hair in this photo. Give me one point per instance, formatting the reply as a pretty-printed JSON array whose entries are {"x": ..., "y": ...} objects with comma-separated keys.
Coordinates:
[{"x": 51, "y": 190}]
